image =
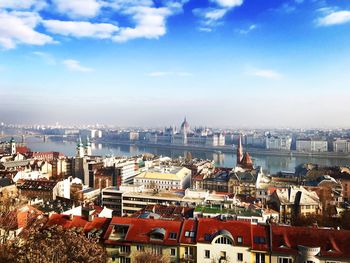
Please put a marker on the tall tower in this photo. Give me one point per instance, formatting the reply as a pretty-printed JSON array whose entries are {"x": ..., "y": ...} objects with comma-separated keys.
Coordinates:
[
  {"x": 13, "y": 146},
  {"x": 80, "y": 149},
  {"x": 88, "y": 149},
  {"x": 185, "y": 129},
  {"x": 239, "y": 150}
]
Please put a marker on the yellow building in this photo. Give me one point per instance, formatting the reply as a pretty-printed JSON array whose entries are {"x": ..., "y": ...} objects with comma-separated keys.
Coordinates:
[{"x": 163, "y": 178}]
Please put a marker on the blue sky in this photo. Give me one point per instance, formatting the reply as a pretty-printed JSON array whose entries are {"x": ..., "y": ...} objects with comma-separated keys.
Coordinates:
[{"x": 232, "y": 63}]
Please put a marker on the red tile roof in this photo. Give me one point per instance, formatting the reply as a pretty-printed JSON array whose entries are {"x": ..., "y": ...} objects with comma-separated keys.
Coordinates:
[
  {"x": 22, "y": 149},
  {"x": 188, "y": 226},
  {"x": 97, "y": 223},
  {"x": 209, "y": 227},
  {"x": 140, "y": 229},
  {"x": 333, "y": 243}
]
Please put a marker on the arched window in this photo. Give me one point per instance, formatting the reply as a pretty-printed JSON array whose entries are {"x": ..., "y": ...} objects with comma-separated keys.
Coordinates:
[{"x": 223, "y": 240}]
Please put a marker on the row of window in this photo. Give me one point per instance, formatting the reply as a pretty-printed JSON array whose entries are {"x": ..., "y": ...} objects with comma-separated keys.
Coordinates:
[
  {"x": 158, "y": 182},
  {"x": 223, "y": 255},
  {"x": 156, "y": 250},
  {"x": 207, "y": 237},
  {"x": 223, "y": 240}
]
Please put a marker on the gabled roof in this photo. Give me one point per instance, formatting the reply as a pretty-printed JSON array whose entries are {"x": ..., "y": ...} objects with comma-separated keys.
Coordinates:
[
  {"x": 333, "y": 243},
  {"x": 189, "y": 225},
  {"x": 208, "y": 228},
  {"x": 139, "y": 230}
]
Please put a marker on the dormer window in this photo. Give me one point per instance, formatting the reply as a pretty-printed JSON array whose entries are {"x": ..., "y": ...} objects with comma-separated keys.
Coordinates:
[
  {"x": 172, "y": 235},
  {"x": 191, "y": 234},
  {"x": 158, "y": 234},
  {"x": 119, "y": 231},
  {"x": 207, "y": 237},
  {"x": 239, "y": 240},
  {"x": 259, "y": 240}
]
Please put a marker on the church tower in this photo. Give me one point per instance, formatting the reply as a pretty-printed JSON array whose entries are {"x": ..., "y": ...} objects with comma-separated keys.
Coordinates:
[
  {"x": 88, "y": 149},
  {"x": 80, "y": 149},
  {"x": 13, "y": 146},
  {"x": 185, "y": 129},
  {"x": 239, "y": 151}
]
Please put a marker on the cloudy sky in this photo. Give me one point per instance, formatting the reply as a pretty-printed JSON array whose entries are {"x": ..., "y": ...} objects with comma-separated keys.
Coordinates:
[{"x": 237, "y": 63}]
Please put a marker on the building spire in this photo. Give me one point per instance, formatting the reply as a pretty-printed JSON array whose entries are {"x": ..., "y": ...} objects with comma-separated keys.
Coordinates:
[{"x": 239, "y": 150}]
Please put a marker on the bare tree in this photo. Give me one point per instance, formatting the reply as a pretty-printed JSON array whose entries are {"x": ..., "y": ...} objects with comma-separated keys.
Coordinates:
[
  {"x": 38, "y": 243},
  {"x": 149, "y": 257}
]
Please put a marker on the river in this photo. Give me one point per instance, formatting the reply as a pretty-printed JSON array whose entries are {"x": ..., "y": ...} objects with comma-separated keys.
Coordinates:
[{"x": 272, "y": 164}]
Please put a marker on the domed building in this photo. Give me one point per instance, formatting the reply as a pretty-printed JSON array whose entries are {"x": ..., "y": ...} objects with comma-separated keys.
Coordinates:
[{"x": 185, "y": 127}]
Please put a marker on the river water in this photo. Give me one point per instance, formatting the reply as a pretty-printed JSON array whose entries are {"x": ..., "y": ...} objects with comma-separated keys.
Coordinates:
[{"x": 272, "y": 164}]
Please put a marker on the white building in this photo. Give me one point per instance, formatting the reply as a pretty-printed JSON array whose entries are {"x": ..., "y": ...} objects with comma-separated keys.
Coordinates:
[
  {"x": 64, "y": 186},
  {"x": 341, "y": 145},
  {"x": 26, "y": 175},
  {"x": 255, "y": 140},
  {"x": 278, "y": 143},
  {"x": 127, "y": 171},
  {"x": 165, "y": 178},
  {"x": 311, "y": 145},
  {"x": 223, "y": 241}
]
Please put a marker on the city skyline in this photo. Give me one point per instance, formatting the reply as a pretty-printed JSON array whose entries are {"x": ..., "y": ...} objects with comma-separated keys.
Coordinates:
[{"x": 222, "y": 63}]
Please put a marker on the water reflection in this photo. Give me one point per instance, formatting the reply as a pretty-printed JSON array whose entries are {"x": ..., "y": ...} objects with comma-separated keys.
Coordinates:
[{"x": 270, "y": 163}]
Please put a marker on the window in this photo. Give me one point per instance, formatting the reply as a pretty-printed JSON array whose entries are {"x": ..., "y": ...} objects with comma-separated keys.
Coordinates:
[
  {"x": 222, "y": 255},
  {"x": 173, "y": 252},
  {"x": 239, "y": 240},
  {"x": 207, "y": 237},
  {"x": 259, "y": 240},
  {"x": 125, "y": 260},
  {"x": 285, "y": 260},
  {"x": 189, "y": 251},
  {"x": 240, "y": 257},
  {"x": 172, "y": 236},
  {"x": 192, "y": 234},
  {"x": 207, "y": 253},
  {"x": 157, "y": 250},
  {"x": 259, "y": 258},
  {"x": 187, "y": 234},
  {"x": 124, "y": 249},
  {"x": 223, "y": 240},
  {"x": 140, "y": 248}
]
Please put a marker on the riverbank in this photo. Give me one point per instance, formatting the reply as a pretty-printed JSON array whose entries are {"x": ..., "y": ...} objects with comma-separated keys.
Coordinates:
[{"x": 230, "y": 149}]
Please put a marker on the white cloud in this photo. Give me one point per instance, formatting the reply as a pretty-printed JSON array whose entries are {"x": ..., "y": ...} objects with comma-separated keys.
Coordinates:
[
  {"x": 209, "y": 17},
  {"x": 266, "y": 73},
  {"x": 80, "y": 29},
  {"x": 18, "y": 28},
  {"x": 169, "y": 73},
  {"x": 228, "y": 3},
  {"x": 78, "y": 8},
  {"x": 212, "y": 16},
  {"x": 334, "y": 18},
  {"x": 23, "y": 4},
  {"x": 247, "y": 30},
  {"x": 74, "y": 65},
  {"x": 150, "y": 20},
  {"x": 150, "y": 23}
]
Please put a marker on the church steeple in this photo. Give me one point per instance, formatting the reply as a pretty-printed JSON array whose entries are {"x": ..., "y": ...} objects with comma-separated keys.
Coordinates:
[
  {"x": 88, "y": 149},
  {"x": 239, "y": 150},
  {"x": 13, "y": 146},
  {"x": 80, "y": 148}
]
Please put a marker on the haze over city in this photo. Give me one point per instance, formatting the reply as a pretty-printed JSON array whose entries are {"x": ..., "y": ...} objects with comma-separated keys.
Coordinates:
[{"x": 145, "y": 63}]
